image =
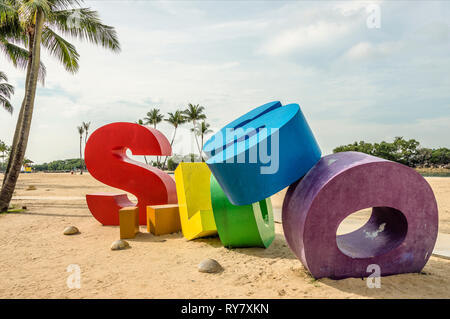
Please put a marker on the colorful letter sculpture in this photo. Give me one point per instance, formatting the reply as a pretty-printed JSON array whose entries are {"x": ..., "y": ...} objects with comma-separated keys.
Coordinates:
[
  {"x": 163, "y": 219},
  {"x": 242, "y": 226},
  {"x": 399, "y": 236},
  {"x": 239, "y": 152},
  {"x": 194, "y": 200},
  {"x": 106, "y": 160},
  {"x": 129, "y": 222}
]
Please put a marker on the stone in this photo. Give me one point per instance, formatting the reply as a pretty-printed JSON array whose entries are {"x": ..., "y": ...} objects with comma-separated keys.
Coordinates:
[
  {"x": 119, "y": 245},
  {"x": 209, "y": 266},
  {"x": 71, "y": 230}
]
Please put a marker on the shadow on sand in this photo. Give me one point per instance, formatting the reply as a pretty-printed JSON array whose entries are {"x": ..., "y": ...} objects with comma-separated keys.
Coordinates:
[
  {"x": 278, "y": 248},
  {"x": 400, "y": 286}
]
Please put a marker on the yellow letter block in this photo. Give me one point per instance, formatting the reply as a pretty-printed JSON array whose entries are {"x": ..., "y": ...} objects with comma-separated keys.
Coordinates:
[
  {"x": 129, "y": 222},
  {"x": 194, "y": 200},
  {"x": 163, "y": 219}
]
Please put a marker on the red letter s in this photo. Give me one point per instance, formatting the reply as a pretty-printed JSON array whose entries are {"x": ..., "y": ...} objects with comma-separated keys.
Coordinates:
[{"x": 106, "y": 160}]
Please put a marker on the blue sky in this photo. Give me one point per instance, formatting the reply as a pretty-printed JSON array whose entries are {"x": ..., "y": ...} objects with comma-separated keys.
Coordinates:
[{"x": 352, "y": 82}]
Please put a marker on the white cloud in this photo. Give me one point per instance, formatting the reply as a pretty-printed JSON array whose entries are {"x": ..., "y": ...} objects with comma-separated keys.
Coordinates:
[
  {"x": 305, "y": 37},
  {"x": 364, "y": 50}
]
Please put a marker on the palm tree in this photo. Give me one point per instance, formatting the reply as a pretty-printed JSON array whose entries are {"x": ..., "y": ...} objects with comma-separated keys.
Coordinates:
[
  {"x": 86, "y": 126},
  {"x": 81, "y": 131},
  {"x": 6, "y": 90},
  {"x": 3, "y": 150},
  {"x": 154, "y": 117},
  {"x": 202, "y": 130},
  {"x": 175, "y": 119},
  {"x": 194, "y": 113},
  {"x": 34, "y": 23}
]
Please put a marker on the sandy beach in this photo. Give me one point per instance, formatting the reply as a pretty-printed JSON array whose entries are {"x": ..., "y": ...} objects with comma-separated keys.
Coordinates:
[{"x": 34, "y": 255}]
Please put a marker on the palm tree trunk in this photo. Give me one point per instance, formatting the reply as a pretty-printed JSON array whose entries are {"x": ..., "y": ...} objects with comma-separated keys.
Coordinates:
[
  {"x": 201, "y": 155},
  {"x": 28, "y": 105},
  {"x": 20, "y": 117},
  {"x": 196, "y": 141},
  {"x": 85, "y": 142},
  {"x": 171, "y": 143},
  {"x": 81, "y": 154},
  {"x": 157, "y": 157}
]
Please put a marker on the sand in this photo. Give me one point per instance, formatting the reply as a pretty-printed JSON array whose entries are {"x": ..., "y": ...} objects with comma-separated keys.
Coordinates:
[{"x": 35, "y": 256}]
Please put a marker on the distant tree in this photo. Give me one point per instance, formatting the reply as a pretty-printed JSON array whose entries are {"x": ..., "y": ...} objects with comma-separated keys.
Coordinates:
[
  {"x": 171, "y": 165},
  {"x": 175, "y": 119},
  {"x": 3, "y": 150},
  {"x": 81, "y": 131},
  {"x": 441, "y": 156},
  {"x": 86, "y": 126},
  {"x": 195, "y": 113},
  {"x": 423, "y": 157},
  {"x": 154, "y": 117},
  {"x": 202, "y": 130},
  {"x": 407, "y": 152},
  {"x": 59, "y": 165}
]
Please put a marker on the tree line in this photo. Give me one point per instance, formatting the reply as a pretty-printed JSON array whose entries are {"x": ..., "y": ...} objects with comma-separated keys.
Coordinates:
[
  {"x": 73, "y": 164},
  {"x": 407, "y": 152},
  {"x": 194, "y": 113}
]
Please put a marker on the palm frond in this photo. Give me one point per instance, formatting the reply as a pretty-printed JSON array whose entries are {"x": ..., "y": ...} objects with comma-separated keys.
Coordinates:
[
  {"x": 6, "y": 90},
  {"x": 4, "y": 102},
  {"x": 85, "y": 24},
  {"x": 27, "y": 9},
  {"x": 194, "y": 112},
  {"x": 176, "y": 118},
  {"x": 62, "y": 49},
  {"x": 19, "y": 57},
  {"x": 3, "y": 76},
  {"x": 63, "y": 4},
  {"x": 7, "y": 12}
]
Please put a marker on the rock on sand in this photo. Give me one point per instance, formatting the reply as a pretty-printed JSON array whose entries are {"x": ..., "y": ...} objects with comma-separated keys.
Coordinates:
[
  {"x": 119, "y": 245},
  {"x": 71, "y": 230},
  {"x": 210, "y": 266}
]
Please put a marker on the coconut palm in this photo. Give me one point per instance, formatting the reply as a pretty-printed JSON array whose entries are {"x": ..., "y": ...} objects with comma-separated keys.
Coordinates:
[
  {"x": 81, "y": 132},
  {"x": 194, "y": 113},
  {"x": 175, "y": 119},
  {"x": 86, "y": 126},
  {"x": 6, "y": 90},
  {"x": 36, "y": 23},
  {"x": 3, "y": 150},
  {"x": 154, "y": 117},
  {"x": 202, "y": 130}
]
